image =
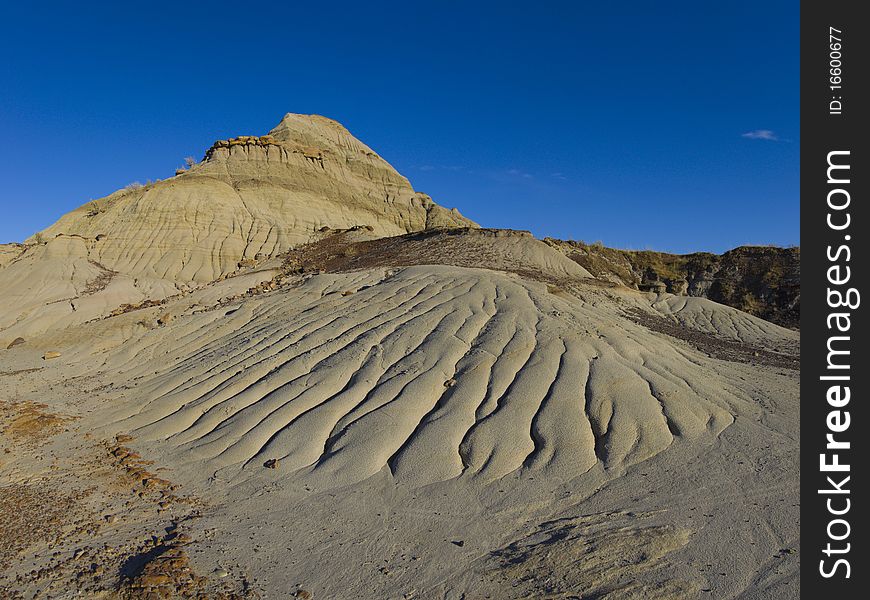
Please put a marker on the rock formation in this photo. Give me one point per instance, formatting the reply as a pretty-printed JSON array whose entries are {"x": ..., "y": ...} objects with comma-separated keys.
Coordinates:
[
  {"x": 761, "y": 280},
  {"x": 250, "y": 198}
]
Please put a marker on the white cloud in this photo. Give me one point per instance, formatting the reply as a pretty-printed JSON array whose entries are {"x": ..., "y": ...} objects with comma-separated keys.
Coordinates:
[
  {"x": 456, "y": 168},
  {"x": 518, "y": 173},
  {"x": 761, "y": 134}
]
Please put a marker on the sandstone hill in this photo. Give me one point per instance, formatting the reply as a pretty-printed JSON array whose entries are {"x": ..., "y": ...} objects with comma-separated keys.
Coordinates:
[
  {"x": 761, "y": 280},
  {"x": 251, "y": 197}
]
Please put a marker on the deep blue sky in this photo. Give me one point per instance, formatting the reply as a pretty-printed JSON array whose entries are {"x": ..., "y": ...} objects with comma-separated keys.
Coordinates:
[{"x": 620, "y": 122}]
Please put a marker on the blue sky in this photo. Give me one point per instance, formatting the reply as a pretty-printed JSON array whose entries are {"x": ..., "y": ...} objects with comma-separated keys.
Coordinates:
[{"x": 662, "y": 125}]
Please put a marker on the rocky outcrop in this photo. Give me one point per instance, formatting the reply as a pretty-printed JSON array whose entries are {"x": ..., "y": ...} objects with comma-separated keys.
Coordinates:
[
  {"x": 761, "y": 280},
  {"x": 494, "y": 249},
  {"x": 9, "y": 252}
]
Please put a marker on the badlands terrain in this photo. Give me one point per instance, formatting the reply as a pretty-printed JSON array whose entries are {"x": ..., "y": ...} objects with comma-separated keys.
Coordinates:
[{"x": 284, "y": 373}]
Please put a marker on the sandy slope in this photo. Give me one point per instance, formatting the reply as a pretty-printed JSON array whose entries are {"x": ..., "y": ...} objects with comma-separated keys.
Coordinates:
[
  {"x": 444, "y": 430},
  {"x": 432, "y": 373}
]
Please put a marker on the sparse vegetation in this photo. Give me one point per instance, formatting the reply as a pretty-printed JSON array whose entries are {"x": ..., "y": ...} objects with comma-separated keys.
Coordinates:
[
  {"x": 189, "y": 163},
  {"x": 94, "y": 208},
  {"x": 101, "y": 281}
]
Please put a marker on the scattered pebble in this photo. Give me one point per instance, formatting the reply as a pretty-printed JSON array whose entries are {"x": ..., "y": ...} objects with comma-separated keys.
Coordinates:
[{"x": 15, "y": 342}]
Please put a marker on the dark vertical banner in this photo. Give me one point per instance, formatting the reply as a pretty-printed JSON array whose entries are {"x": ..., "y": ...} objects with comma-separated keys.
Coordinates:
[{"x": 835, "y": 370}]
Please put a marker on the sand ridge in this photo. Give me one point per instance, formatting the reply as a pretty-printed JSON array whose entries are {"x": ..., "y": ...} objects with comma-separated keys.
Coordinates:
[{"x": 432, "y": 373}]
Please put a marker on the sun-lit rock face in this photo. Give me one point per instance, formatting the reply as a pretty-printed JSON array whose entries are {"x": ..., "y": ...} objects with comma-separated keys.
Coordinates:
[{"x": 252, "y": 196}]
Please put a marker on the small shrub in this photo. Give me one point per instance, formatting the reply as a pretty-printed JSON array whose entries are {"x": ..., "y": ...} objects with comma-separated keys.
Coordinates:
[{"x": 94, "y": 209}]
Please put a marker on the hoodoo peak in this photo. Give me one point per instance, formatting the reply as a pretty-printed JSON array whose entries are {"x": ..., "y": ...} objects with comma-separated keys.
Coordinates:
[{"x": 251, "y": 197}]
